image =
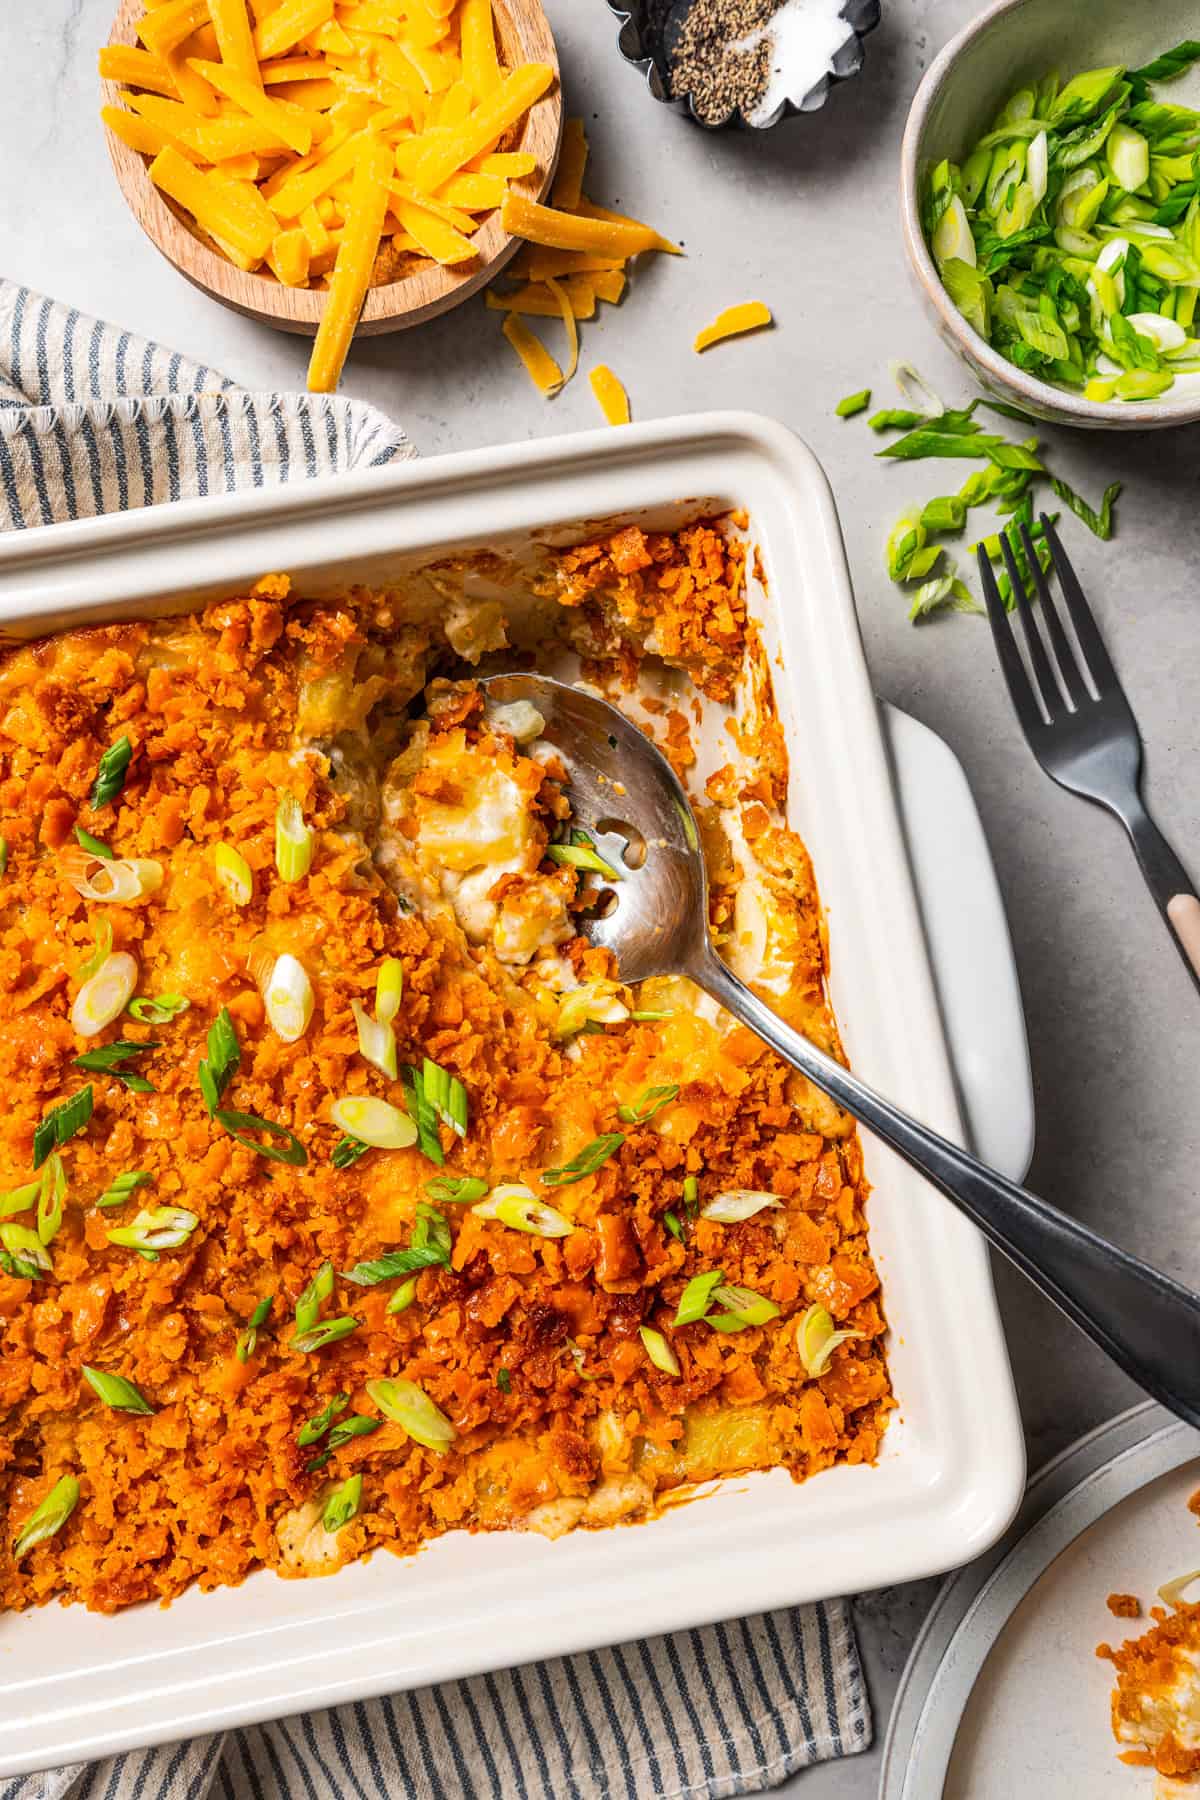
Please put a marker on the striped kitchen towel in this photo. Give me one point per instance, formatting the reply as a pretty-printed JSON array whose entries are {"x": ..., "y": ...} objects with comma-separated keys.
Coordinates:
[{"x": 93, "y": 419}]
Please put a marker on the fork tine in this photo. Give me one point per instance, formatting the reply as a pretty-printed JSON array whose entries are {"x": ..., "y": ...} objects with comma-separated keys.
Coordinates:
[
  {"x": 1016, "y": 680},
  {"x": 1043, "y": 674},
  {"x": 1091, "y": 643},
  {"x": 1068, "y": 668}
]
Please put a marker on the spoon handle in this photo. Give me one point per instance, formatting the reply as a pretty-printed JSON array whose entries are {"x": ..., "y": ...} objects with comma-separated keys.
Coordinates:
[{"x": 1148, "y": 1324}]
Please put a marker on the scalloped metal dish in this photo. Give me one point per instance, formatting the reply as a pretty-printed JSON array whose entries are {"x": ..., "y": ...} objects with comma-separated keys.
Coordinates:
[{"x": 648, "y": 29}]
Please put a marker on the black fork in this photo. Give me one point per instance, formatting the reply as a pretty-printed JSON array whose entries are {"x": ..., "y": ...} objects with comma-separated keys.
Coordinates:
[{"x": 1079, "y": 724}]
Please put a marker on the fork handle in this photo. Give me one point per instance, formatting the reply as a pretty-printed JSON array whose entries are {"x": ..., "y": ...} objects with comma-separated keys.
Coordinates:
[
  {"x": 1168, "y": 881},
  {"x": 1146, "y": 1322}
]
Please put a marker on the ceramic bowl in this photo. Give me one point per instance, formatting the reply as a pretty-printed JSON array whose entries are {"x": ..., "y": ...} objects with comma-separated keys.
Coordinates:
[
  {"x": 1012, "y": 43},
  {"x": 649, "y": 30}
]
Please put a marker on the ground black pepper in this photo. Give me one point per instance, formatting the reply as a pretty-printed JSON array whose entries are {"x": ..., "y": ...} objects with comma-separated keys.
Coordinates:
[{"x": 705, "y": 64}]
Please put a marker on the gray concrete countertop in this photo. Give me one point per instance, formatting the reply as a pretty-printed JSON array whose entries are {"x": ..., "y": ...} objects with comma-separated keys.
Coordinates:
[{"x": 805, "y": 219}]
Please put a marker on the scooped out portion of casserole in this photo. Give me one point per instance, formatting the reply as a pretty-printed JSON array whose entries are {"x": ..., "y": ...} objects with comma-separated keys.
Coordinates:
[
  {"x": 348, "y": 1194},
  {"x": 1156, "y": 1702}
]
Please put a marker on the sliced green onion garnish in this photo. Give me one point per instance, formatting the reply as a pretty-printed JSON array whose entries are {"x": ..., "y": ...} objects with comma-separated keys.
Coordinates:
[
  {"x": 319, "y": 1424},
  {"x": 398, "y": 1262},
  {"x": 376, "y": 1041},
  {"x": 408, "y": 1405},
  {"x": 853, "y": 403},
  {"x": 158, "y": 1009},
  {"x": 1171, "y": 1592},
  {"x": 248, "y": 1338},
  {"x": 586, "y": 1161},
  {"x": 447, "y": 1096},
  {"x": 422, "y": 1114},
  {"x": 289, "y": 998},
  {"x": 347, "y": 1151},
  {"x": 110, "y": 1059},
  {"x": 242, "y": 1125},
  {"x": 116, "y": 1392},
  {"x": 596, "y": 1002},
  {"x": 658, "y": 1350},
  {"x": 504, "y": 1381},
  {"x": 743, "y": 1308},
  {"x": 515, "y": 1206},
  {"x": 404, "y": 1296},
  {"x": 649, "y": 1018},
  {"x": 120, "y": 1188},
  {"x": 61, "y": 1123},
  {"x": 374, "y": 1122},
  {"x": 93, "y": 845},
  {"x": 110, "y": 773},
  {"x": 650, "y": 1101},
  {"x": 456, "y": 1190},
  {"x": 3, "y": 856},
  {"x": 389, "y": 989},
  {"x": 96, "y": 961},
  {"x": 735, "y": 1204},
  {"x": 51, "y": 1197},
  {"x": 691, "y": 1193},
  {"x": 293, "y": 840},
  {"x": 48, "y": 1517},
  {"x": 355, "y": 1426},
  {"x": 219, "y": 1067},
  {"x": 671, "y": 1221},
  {"x": 22, "y": 1253},
  {"x": 327, "y": 1332},
  {"x": 816, "y": 1339},
  {"x": 122, "y": 882},
  {"x": 342, "y": 1504},
  {"x": 313, "y": 1297},
  {"x": 581, "y": 853},
  {"x": 19, "y": 1199},
  {"x": 234, "y": 874},
  {"x": 697, "y": 1296},
  {"x": 156, "y": 1228}
]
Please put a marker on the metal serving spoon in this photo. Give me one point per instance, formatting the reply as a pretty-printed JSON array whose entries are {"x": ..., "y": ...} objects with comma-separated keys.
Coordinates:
[{"x": 626, "y": 795}]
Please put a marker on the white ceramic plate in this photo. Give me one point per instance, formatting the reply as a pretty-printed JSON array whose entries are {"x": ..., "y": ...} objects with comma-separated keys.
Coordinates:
[
  {"x": 1004, "y": 1694},
  {"x": 952, "y": 1467}
]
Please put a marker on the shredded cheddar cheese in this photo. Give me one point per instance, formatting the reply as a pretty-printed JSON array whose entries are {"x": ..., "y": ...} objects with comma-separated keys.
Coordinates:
[
  {"x": 352, "y": 270},
  {"x": 544, "y": 372},
  {"x": 614, "y": 401},
  {"x": 752, "y": 315}
]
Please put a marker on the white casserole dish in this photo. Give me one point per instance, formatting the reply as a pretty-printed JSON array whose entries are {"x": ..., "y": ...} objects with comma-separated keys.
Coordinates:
[{"x": 952, "y": 1468}]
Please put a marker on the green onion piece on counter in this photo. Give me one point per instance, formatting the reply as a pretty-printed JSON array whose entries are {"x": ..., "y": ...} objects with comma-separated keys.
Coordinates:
[
  {"x": 816, "y": 1340},
  {"x": 947, "y": 512},
  {"x": 234, "y": 874},
  {"x": 376, "y": 1041},
  {"x": 121, "y": 1186},
  {"x": 408, "y": 1405},
  {"x": 313, "y": 1297},
  {"x": 248, "y": 1338},
  {"x": 3, "y": 856},
  {"x": 240, "y": 1126},
  {"x": 319, "y": 1424},
  {"x": 1099, "y": 522},
  {"x": 342, "y": 1504},
  {"x": 581, "y": 853},
  {"x": 93, "y": 845},
  {"x": 61, "y": 1123},
  {"x": 293, "y": 840},
  {"x": 389, "y": 989},
  {"x": 100, "y": 955},
  {"x": 853, "y": 403},
  {"x": 586, "y": 1161},
  {"x": 671, "y": 1221},
  {"x": 219, "y": 1067},
  {"x": 743, "y": 1308},
  {"x": 48, "y": 1517},
  {"x": 894, "y": 418},
  {"x": 346, "y": 1151},
  {"x": 456, "y": 1190},
  {"x": 422, "y": 1115},
  {"x": 650, "y": 1101},
  {"x": 374, "y": 1122},
  {"x": 327, "y": 1332},
  {"x": 53, "y": 1192},
  {"x": 504, "y": 1381},
  {"x": 23, "y": 1254},
  {"x": 155, "y": 1229},
  {"x": 111, "y": 772},
  {"x": 404, "y": 1296},
  {"x": 696, "y": 1297},
  {"x": 20, "y": 1199},
  {"x": 447, "y": 1096},
  {"x": 658, "y": 1350},
  {"x": 733, "y": 1205},
  {"x": 116, "y": 1392},
  {"x": 158, "y": 1009},
  {"x": 691, "y": 1193}
]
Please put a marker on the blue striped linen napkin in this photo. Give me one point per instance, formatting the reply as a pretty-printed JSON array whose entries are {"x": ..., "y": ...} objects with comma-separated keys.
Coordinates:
[{"x": 92, "y": 419}]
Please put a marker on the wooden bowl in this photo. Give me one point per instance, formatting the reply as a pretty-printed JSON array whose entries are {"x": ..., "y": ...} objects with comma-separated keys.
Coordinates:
[{"x": 523, "y": 35}]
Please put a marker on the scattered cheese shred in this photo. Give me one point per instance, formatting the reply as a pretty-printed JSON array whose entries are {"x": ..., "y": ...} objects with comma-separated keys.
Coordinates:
[
  {"x": 352, "y": 270},
  {"x": 539, "y": 299},
  {"x": 569, "y": 231},
  {"x": 567, "y": 309},
  {"x": 751, "y": 315},
  {"x": 614, "y": 401},
  {"x": 544, "y": 372}
]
